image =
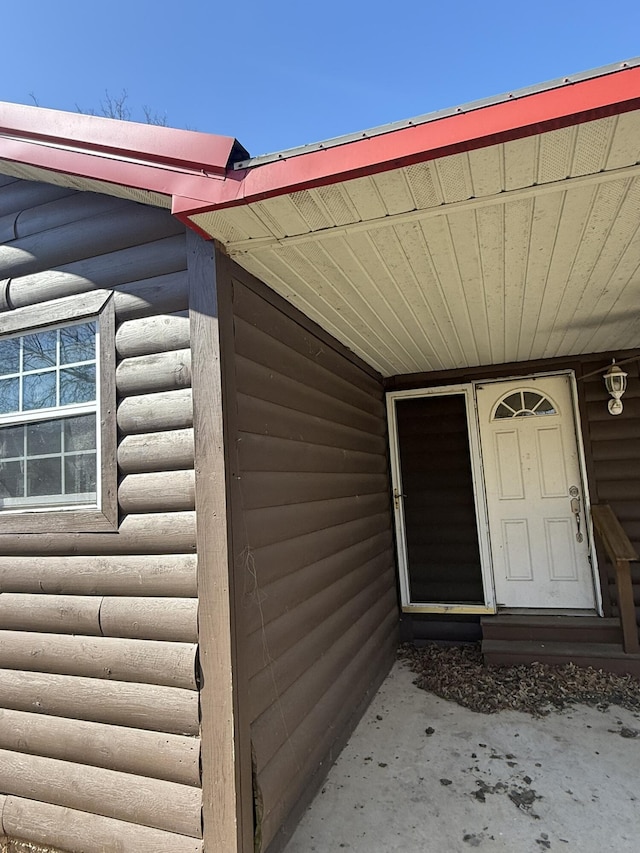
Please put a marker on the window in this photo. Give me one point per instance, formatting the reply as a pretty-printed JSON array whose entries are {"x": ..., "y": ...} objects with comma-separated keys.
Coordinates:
[
  {"x": 57, "y": 424},
  {"x": 523, "y": 404}
]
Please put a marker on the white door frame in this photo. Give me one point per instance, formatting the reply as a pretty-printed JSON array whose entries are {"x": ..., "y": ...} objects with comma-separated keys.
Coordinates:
[
  {"x": 468, "y": 390},
  {"x": 482, "y": 523}
]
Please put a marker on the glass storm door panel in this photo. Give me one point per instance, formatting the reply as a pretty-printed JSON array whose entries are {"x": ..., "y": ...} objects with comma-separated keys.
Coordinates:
[
  {"x": 539, "y": 541},
  {"x": 440, "y": 529}
]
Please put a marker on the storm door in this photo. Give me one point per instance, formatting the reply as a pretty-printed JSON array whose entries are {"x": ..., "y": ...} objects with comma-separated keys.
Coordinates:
[
  {"x": 439, "y": 511},
  {"x": 537, "y": 506}
]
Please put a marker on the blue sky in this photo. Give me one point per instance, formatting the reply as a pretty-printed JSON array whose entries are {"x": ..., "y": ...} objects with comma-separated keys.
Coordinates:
[{"x": 287, "y": 73}]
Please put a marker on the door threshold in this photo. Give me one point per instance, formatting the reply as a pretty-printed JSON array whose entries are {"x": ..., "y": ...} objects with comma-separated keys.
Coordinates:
[{"x": 544, "y": 611}]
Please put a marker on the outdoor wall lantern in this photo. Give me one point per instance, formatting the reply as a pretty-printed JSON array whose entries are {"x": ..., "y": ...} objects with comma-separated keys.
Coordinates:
[{"x": 615, "y": 381}]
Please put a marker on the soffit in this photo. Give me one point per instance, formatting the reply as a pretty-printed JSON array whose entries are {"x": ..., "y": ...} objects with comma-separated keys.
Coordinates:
[
  {"x": 28, "y": 172},
  {"x": 522, "y": 250}
]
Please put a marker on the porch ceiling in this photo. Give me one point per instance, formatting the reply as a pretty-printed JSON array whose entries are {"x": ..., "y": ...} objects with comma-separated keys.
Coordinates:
[{"x": 521, "y": 250}]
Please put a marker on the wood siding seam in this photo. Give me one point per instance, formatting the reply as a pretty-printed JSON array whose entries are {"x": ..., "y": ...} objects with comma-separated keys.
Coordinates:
[
  {"x": 174, "y": 758},
  {"x": 142, "y": 706},
  {"x": 140, "y": 661},
  {"x": 70, "y": 829},
  {"x": 109, "y": 793},
  {"x": 162, "y": 575}
]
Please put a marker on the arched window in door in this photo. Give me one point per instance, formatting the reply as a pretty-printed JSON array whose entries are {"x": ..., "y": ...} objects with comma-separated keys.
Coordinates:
[{"x": 523, "y": 404}]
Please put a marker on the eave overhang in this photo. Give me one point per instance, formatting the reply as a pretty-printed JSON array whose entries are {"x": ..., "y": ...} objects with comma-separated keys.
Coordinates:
[
  {"x": 502, "y": 231},
  {"x": 159, "y": 160}
]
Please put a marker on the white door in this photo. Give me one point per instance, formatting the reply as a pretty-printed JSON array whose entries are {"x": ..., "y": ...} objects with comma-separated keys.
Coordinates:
[{"x": 539, "y": 541}]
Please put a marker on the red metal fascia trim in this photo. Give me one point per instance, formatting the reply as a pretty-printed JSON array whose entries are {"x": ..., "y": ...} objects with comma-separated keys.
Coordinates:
[
  {"x": 537, "y": 113},
  {"x": 108, "y": 137},
  {"x": 143, "y": 176},
  {"x": 192, "y": 226}
]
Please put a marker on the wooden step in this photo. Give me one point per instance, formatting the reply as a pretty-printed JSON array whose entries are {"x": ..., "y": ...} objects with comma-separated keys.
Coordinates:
[
  {"x": 607, "y": 656},
  {"x": 552, "y": 629}
]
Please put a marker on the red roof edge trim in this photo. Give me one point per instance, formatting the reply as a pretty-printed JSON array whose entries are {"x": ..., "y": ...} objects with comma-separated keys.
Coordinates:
[
  {"x": 152, "y": 177},
  {"x": 539, "y": 112},
  {"x": 182, "y": 149}
]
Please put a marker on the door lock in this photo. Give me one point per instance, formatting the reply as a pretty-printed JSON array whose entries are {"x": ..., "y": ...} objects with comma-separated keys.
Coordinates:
[
  {"x": 575, "y": 509},
  {"x": 396, "y": 498}
]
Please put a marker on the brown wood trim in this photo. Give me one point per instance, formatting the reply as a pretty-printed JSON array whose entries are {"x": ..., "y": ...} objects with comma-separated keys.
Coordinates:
[
  {"x": 237, "y": 533},
  {"x": 108, "y": 426},
  {"x": 621, "y": 552},
  {"x": 223, "y": 824},
  {"x": 402, "y": 382},
  {"x": 67, "y": 309},
  {"x": 293, "y": 313}
]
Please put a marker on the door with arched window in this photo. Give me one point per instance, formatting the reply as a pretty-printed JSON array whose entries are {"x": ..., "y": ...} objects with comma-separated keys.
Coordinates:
[{"x": 535, "y": 494}]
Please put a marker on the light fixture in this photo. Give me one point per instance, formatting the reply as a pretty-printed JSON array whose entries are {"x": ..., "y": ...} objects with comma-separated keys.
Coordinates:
[{"x": 615, "y": 381}]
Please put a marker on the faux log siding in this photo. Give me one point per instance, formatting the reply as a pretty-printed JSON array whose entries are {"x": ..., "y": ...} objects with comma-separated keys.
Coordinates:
[
  {"x": 615, "y": 450},
  {"x": 98, "y": 631},
  {"x": 317, "y": 551}
]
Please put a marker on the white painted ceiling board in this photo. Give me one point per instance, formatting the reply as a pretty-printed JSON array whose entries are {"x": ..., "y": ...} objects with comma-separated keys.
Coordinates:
[
  {"x": 591, "y": 147},
  {"x": 454, "y": 177},
  {"x": 486, "y": 167},
  {"x": 424, "y": 185},
  {"x": 465, "y": 249},
  {"x": 365, "y": 197},
  {"x": 337, "y": 203},
  {"x": 625, "y": 145},
  {"x": 311, "y": 209},
  {"x": 395, "y": 192},
  {"x": 521, "y": 162},
  {"x": 545, "y": 221},
  {"x": 425, "y": 296},
  {"x": 490, "y": 230},
  {"x": 517, "y": 240},
  {"x": 555, "y": 155}
]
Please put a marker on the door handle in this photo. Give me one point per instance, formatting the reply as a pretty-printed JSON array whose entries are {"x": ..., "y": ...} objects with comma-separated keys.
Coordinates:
[
  {"x": 396, "y": 498},
  {"x": 576, "y": 509}
]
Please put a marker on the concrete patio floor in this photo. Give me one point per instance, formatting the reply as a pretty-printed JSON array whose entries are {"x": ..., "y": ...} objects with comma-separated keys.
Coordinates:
[{"x": 423, "y": 775}]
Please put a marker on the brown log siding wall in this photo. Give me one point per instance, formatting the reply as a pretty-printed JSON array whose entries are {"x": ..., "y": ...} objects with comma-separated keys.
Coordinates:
[
  {"x": 314, "y": 545},
  {"x": 614, "y": 449},
  {"x": 99, "y": 718}
]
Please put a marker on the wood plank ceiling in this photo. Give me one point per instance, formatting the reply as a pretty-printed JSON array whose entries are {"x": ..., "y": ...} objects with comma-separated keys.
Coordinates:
[{"x": 523, "y": 250}]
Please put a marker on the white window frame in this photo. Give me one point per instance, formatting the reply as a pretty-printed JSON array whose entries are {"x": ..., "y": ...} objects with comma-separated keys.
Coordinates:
[{"x": 54, "y": 515}]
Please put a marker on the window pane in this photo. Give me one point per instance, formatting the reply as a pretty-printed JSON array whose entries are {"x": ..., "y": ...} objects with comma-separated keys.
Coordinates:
[
  {"x": 9, "y": 395},
  {"x": 43, "y": 438},
  {"x": 44, "y": 476},
  {"x": 514, "y": 400},
  {"x": 78, "y": 384},
  {"x": 531, "y": 399},
  {"x": 77, "y": 343},
  {"x": 9, "y": 356},
  {"x": 11, "y": 441},
  {"x": 39, "y": 391},
  {"x": 39, "y": 350},
  {"x": 11, "y": 480},
  {"x": 80, "y": 433},
  {"x": 80, "y": 474},
  {"x": 503, "y": 412},
  {"x": 545, "y": 408}
]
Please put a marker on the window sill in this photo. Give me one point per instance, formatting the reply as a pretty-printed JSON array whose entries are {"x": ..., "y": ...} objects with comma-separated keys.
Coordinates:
[{"x": 57, "y": 521}]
